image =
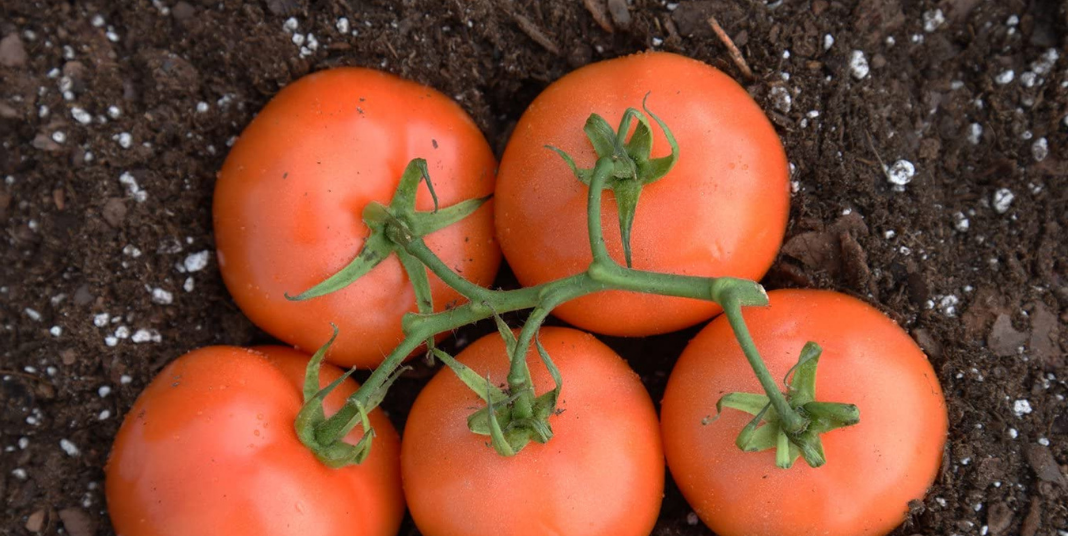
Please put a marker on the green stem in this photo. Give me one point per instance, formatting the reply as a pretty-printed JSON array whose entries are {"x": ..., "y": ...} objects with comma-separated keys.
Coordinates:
[
  {"x": 593, "y": 220},
  {"x": 792, "y": 422},
  {"x": 418, "y": 249},
  {"x": 519, "y": 373}
]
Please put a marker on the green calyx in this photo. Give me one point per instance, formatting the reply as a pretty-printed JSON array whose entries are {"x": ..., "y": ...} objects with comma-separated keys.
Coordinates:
[
  {"x": 393, "y": 229},
  {"x": 767, "y": 430},
  {"x": 633, "y": 165},
  {"x": 510, "y": 423},
  {"x": 325, "y": 437}
]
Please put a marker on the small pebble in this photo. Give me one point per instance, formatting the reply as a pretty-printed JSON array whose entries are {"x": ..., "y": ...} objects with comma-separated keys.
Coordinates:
[
  {"x": 132, "y": 188},
  {"x": 70, "y": 448},
  {"x": 780, "y": 99},
  {"x": 1028, "y": 79},
  {"x": 1003, "y": 200},
  {"x": 81, "y": 116},
  {"x": 1044, "y": 64},
  {"x": 162, "y": 297},
  {"x": 948, "y": 305},
  {"x": 960, "y": 222},
  {"x": 901, "y": 172},
  {"x": 146, "y": 335},
  {"x": 1040, "y": 149},
  {"x": 1021, "y": 407},
  {"x": 1004, "y": 77},
  {"x": 858, "y": 64},
  {"x": 975, "y": 133},
  {"x": 932, "y": 20},
  {"x": 196, "y": 262}
]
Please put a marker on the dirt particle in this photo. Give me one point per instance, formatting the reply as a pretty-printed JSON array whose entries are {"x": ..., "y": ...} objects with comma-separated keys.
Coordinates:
[
  {"x": 283, "y": 7},
  {"x": 1033, "y": 519},
  {"x": 77, "y": 522},
  {"x": 998, "y": 518},
  {"x": 12, "y": 51},
  {"x": 183, "y": 11},
  {"x": 35, "y": 522},
  {"x": 114, "y": 211},
  {"x": 1045, "y": 332},
  {"x": 68, "y": 357},
  {"x": 1045, "y": 467},
  {"x": 1003, "y": 339},
  {"x": 927, "y": 342},
  {"x": 620, "y": 13},
  {"x": 82, "y": 296}
]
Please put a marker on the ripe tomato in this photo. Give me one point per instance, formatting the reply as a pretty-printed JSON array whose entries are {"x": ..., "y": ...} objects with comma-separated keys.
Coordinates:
[
  {"x": 873, "y": 468},
  {"x": 209, "y": 448},
  {"x": 602, "y": 472},
  {"x": 289, "y": 200},
  {"x": 721, "y": 211}
]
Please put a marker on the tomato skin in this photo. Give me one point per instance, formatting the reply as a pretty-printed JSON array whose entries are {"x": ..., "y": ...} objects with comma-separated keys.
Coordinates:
[
  {"x": 289, "y": 200},
  {"x": 873, "y": 468},
  {"x": 721, "y": 211},
  {"x": 600, "y": 474},
  {"x": 209, "y": 448}
]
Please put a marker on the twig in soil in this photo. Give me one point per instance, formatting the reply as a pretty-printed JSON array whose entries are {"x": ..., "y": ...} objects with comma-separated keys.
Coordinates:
[
  {"x": 882, "y": 165},
  {"x": 597, "y": 9},
  {"x": 736, "y": 55},
  {"x": 535, "y": 33},
  {"x": 23, "y": 375}
]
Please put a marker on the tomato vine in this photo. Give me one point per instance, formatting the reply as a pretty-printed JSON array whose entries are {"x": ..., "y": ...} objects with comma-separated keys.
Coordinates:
[{"x": 790, "y": 422}]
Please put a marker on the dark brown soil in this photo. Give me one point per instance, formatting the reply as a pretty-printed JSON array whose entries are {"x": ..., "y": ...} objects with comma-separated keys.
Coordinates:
[{"x": 989, "y": 303}]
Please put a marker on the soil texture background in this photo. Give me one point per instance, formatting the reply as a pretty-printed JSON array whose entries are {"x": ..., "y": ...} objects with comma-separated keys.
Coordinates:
[{"x": 115, "y": 117}]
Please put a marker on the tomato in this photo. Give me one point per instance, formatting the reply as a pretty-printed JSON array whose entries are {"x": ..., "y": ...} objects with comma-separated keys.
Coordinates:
[
  {"x": 290, "y": 195},
  {"x": 209, "y": 448},
  {"x": 602, "y": 472},
  {"x": 873, "y": 468},
  {"x": 721, "y": 211}
]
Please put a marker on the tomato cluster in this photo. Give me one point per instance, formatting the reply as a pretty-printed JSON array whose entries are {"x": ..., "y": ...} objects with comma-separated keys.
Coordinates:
[{"x": 317, "y": 185}]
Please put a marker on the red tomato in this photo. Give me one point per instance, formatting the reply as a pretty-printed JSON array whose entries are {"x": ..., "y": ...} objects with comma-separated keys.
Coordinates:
[
  {"x": 209, "y": 448},
  {"x": 601, "y": 474},
  {"x": 721, "y": 211},
  {"x": 873, "y": 468},
  {"x": 289, "y": 200}
]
